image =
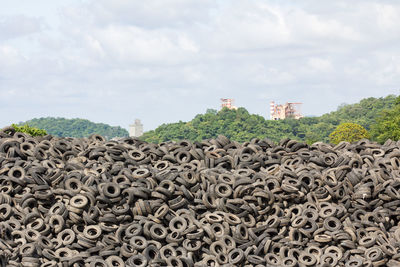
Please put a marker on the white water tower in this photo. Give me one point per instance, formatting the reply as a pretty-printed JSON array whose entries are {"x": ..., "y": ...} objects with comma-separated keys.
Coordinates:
[{"x": 136, "y": 129}]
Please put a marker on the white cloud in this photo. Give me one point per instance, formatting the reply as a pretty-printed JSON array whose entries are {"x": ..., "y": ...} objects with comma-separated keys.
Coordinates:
[
  {"x": 151, "y": 14},
  {"x": 134, "y": 44},
  {"x": 320, "y": 64},
  {"x": 8, "y": 54},
  {"x": 248, "y": 26},
  {"x": 11, "y": 61},
  {"x": 167, "y": 60},
  {"x": 19, "y": 25}
]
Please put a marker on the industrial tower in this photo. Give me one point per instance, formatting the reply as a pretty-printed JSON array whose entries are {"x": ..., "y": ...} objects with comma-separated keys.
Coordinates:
[{"x": 287, "y": 110}]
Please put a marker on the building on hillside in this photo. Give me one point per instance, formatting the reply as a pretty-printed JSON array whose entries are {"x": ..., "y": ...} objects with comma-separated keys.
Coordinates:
[
  {"x": 136, "y": 129},
  {"x": 287, "y": 110},
  {"x": 227, "y": 102}
]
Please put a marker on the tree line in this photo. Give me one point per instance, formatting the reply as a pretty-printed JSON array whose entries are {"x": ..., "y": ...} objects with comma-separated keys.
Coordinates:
[
  {"x": 374, "y": 118},
  {"x": 74, "y": 127},
  {"x": 240, "y": 125}
]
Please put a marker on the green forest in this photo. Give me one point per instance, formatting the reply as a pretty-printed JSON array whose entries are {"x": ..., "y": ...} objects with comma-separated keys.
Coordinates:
[
  {"x": 379, "y": 116},
  {"x": 241, "y": 126},
  {"x": 75, "y": 127}
]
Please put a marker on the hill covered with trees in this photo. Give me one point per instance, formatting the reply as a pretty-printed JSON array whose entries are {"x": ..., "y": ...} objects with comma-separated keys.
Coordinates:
[
  {"x": 75, "y": 127},
  {"x": 379, "y": 116},
  {"x": 387, "y": 125},
  {"x": 242, "y": 126}
]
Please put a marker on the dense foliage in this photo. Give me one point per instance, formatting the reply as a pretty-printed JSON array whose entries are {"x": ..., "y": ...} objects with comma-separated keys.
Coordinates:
[
  {"x": 76, "y": 127},
  {"x": 241, "y": 126},
  {"x": 388, "y": 124},
  {"x": 349, "y": 132},
  {"x": 32, "y": 131},
  {"x": 363, "y": 113}
]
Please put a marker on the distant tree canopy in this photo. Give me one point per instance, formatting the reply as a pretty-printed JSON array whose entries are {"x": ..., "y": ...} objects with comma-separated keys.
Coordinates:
[
  {"x": 75, "y": 127},
  {"x": 388, "y": 124},
  {"x": 241, "y": 126},
  {"x": 380, "y": 116},
  {"x": 349, "y": 132}
]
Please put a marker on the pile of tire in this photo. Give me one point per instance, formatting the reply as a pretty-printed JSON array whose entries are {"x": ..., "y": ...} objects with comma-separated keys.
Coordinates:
[{"x": 96, "y": 202}]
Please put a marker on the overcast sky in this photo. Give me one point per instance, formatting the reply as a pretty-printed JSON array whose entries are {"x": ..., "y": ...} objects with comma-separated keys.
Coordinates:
[{"x": 163, "y": 61}]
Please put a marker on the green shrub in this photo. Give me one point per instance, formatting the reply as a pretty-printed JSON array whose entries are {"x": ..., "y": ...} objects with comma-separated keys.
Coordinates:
[
  {"x": 32, "y": 131},
  {"x": 349, "y": 132}
]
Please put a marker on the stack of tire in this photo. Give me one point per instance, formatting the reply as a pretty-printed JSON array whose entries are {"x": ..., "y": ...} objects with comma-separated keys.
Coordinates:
[{"x": 97, "y": 202}]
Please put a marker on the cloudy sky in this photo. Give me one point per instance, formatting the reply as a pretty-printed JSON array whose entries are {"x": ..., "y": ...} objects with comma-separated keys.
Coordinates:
[{"x": 163, "y": 61}]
